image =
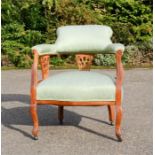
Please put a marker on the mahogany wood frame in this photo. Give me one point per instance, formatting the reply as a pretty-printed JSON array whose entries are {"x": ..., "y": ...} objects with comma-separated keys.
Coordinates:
[{"x": 44, "y": 61}]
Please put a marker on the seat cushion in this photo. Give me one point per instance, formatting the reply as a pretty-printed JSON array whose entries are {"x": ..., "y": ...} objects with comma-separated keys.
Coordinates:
[{"x": 77, "y": 86}]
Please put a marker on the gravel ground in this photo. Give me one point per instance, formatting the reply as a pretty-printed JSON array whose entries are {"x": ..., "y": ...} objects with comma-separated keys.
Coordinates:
[{"x": 85, "y": 130}]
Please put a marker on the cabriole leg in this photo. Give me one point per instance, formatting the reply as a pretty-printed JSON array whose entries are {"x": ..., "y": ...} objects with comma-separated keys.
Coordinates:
[
  {"x": 111, "y": 114},
  {"x": 33, "y": 110},
  {"x": 118, "y": 122}
]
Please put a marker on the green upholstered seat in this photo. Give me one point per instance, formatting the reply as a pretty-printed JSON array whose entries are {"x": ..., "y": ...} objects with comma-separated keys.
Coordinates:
[
  {"x": 81, "y": 39},
  {"x": 77, "y": 86}
]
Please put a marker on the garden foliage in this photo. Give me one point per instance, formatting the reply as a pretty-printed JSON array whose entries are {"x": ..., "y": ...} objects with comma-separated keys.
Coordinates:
[{"x": 26, "y": 23}]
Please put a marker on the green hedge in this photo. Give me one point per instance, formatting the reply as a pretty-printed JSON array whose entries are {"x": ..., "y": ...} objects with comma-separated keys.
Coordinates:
[{"x": 29, "y": 22}]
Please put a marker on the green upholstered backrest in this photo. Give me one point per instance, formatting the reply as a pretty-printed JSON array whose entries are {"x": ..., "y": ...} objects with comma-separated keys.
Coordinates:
[{"x": 81, "y": 39}]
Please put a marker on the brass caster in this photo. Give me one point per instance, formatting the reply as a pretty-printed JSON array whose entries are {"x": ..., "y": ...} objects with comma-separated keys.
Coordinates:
[
  {"x": 111, "y": 123},
  {"x": 119, "y": 138},
  {"x": 35, "y": 137},
  {"x": 61, "y": 122}
]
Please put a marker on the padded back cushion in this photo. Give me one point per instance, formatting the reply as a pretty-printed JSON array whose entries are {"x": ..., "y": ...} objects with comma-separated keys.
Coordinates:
[{"x": 83, "y": 38}]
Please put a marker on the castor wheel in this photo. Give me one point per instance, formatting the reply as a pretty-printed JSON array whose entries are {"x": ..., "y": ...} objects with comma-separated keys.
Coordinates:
[
  {"x": 35, "y": 137},
  {"x": 119, "y": 138},
  {"x": 61, "y": 122},
  {"x": 111, "y": 123}
]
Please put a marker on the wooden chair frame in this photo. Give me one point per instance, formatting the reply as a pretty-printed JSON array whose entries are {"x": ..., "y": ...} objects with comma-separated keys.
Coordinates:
[{"x": 44, "y": 61}]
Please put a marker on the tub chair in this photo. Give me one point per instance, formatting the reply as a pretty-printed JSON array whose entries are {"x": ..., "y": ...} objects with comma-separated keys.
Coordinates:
[{"x": 82, "y": 87}]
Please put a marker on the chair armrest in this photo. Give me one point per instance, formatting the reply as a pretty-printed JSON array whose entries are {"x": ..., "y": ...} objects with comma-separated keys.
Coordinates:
[
  {"x": 51, "y": 49},
  {"x": 45, "y": 49},
  {"x": 42, "y": 52},
  {"x": 117, "y": 49},
  {"x": 113, "y": 48}
]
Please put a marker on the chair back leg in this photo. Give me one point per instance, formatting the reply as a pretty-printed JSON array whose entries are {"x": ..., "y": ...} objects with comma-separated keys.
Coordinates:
[
  {"x": 33, "y": 110},
  {"x": 111, "y": 114},
  {"x": 60, "y": 114},
  {"x": 118, "y": 122}
]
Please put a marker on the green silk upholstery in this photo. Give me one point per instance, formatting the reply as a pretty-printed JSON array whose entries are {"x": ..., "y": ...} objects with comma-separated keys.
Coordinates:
[
  {"x": 44, "y": 49},
  {"x": 81, "y": 39},
  {"x": 77, "y": 86},
  {"x": 113, "y": 48}
]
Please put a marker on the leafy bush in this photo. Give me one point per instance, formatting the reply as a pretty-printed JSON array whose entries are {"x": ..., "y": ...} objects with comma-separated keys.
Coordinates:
[
  {"x": 131, "y": 20},
  {"x": 130, "y": 54},
  {"x": 33, "y": 17},
  {"x": 104, "y": 60},
  {"x": 10, "y": 12},
  {"x": 12, "y": 31},
  {"x": 29, "y": 22},
  {"x": 17, "y": 43},
  {"x": 17, "y": 53},
  {"x": 56, "y": 61}
]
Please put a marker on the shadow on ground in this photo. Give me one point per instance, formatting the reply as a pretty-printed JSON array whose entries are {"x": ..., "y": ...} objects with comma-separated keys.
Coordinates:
[
  {"x": 15, "y": 97},
  {"x": 47, "y": 116}
]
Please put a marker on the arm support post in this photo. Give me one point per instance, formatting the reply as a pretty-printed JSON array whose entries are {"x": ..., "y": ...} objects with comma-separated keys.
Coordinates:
[
  {"x": 119, "y": 76},
  {"x": 119, "y": 81},
  {"x": 34, "y": 76},
  {"x": 44, "y": 62}
]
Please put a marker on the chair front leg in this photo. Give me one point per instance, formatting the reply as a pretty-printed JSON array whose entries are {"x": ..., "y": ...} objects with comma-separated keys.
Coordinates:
[
  {"x": 33, "y": 110},
  {"x": 111, "y": 114},
  {"x": 119, "y": 81},
  {"x": 33, "y": 104},
  {"x": 118, "y": 121}
]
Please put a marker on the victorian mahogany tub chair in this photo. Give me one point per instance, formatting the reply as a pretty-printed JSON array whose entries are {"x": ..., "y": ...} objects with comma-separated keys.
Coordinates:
[{"x": 83, "y": 87}]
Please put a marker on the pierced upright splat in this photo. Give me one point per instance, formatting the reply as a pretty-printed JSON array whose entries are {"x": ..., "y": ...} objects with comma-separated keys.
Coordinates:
[
  {"x": 44, "y": 61},
  {"x": 84, "y": 61}
]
